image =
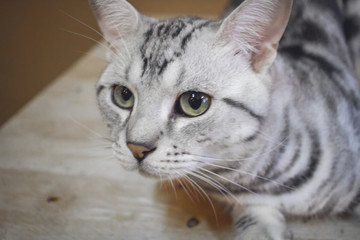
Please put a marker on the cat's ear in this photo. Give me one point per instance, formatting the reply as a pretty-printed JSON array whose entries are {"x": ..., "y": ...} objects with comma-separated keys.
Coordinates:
[
  {"x": 117, "y": 18},
  {"x": 254, "y": 29}
]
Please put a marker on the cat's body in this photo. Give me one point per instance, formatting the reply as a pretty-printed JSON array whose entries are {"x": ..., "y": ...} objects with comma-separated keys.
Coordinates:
[{"x": 273, "y": 137}]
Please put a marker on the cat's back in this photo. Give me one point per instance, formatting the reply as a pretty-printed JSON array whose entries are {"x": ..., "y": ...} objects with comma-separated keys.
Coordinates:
[
  {"x": 324, "y": 103},
  {"x": 314, "y": 46}
]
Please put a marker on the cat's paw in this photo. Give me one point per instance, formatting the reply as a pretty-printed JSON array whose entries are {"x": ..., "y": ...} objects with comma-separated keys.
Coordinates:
[
  {"x": 261, "y": 223},
  {"x": 262, "y": 233}
]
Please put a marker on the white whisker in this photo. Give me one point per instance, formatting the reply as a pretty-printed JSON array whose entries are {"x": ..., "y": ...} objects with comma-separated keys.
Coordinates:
[
  {"x": 94, "y": 133},
  {"x": 186, "y": 191},
  {"x": 242, "y": 159},
  {"x": 194, "y": 187},
  {"x": 120, "y": 58},
  {"x": 228, "y": 180},
  {"x": 173, "y": 186},
  {"x": 92, "y": 55},
  {"x": 247, "y": 173},
  {"x": 81, "y": 22},
  {"x": 269, "y": 139},
  {"x": 207, "y": 179},
  {"x": 206, "y": 195},
  {"x": 89, "y": 38},
  {"x": 100, "y": 34}
]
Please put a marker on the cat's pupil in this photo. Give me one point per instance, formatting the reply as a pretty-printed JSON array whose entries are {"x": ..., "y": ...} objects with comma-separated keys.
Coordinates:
[
  {"x": 126, "y": 94},
  {"x": 195, "y": 101}
]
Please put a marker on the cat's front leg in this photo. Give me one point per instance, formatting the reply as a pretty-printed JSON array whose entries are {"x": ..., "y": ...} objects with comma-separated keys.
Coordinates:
[{"x": 259, "y": 222}]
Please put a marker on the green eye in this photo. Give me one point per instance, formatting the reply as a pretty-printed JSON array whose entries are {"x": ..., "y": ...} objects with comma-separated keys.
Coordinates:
[
  {"x": 194, "y": 104},
  {"x": 122, "y": 97}
]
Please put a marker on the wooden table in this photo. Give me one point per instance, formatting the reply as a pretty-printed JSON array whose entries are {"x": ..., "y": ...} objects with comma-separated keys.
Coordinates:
[{"x": 59, "y": 180}]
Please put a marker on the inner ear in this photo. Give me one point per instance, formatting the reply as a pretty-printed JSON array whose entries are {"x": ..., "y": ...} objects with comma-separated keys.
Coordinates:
[
  {"x": 254, "y": 29},
  {"x": 117, "y": 19},
  {"x": 263, "y": 57}
]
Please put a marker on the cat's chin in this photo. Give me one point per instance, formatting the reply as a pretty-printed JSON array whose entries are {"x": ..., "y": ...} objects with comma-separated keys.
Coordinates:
[
  {"x": 144, "y": 171},
  {"x": 129, "y": 167},
  {"x": 147, "y": 174},
  {"x": 132, "y": 168}
]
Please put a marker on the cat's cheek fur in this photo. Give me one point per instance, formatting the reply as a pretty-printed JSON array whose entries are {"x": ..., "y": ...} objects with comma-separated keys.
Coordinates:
[
  {"x": 236, "y": 128},
  {"x": 236, "y": 80}
]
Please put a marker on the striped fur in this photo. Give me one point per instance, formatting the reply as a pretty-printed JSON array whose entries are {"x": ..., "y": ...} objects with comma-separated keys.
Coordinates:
[{"x": 282, "y": 134}]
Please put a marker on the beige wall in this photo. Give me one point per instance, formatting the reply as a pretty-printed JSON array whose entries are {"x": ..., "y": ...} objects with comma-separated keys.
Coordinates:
[{"x": 35, "y": 46}]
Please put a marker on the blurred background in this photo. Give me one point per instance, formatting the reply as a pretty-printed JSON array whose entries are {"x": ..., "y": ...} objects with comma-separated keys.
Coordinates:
[{"x": 41, "y": 38}]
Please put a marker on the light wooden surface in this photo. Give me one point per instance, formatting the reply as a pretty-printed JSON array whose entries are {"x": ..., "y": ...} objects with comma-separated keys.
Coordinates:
[{"x": 58, "y": 179}]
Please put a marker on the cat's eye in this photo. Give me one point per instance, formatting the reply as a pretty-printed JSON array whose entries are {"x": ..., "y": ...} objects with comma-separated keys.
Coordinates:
[
  {"x": 122, "y": 97},
  {"x": 193, "y": 103}
]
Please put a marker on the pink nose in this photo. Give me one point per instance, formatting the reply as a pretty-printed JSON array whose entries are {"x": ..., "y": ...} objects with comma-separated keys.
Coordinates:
[{"x": 139, "y": 152}]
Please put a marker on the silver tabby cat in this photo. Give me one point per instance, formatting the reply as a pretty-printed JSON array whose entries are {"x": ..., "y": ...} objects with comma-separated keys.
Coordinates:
[{"x": 272, "y": 130}]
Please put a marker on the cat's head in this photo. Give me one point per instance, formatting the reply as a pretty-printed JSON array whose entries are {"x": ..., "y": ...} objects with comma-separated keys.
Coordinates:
[{"x": 180, "y": 93}]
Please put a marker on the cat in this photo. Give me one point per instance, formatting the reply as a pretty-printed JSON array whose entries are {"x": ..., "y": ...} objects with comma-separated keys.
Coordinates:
[{"x": 271, "y": 129}]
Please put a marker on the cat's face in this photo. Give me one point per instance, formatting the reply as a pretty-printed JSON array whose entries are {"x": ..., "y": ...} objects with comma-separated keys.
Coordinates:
[{"x": 177, "y": 94}]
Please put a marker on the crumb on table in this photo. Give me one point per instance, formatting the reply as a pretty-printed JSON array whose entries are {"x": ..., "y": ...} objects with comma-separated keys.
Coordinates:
[{"x": 192, "y": 222}]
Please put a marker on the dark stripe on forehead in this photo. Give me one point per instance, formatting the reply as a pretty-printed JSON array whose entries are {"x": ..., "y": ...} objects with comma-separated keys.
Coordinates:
[
  {"x": 243, "y": 107},
  {"x": 149, "y": 33},
  {"x": 159, "y": 30},
  {"x": 145, "y": 64},
  {"x": 167, "y": 40},
  {"x": 176, "y": 33},
  {"x": 187, "y": 38},
  {"x": 163, "y": 66},
  {"x": 181, "y": 76},
  {"x": 127, "y": 71}
]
